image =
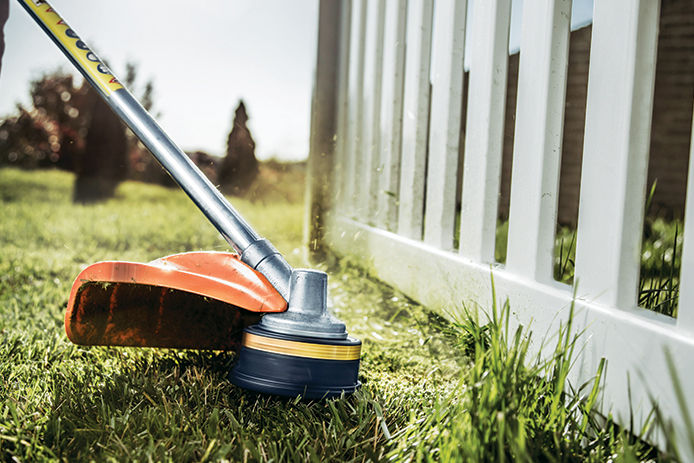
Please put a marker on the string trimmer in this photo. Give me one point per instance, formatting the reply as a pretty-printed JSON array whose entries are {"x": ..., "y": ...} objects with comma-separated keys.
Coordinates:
[{"x": 253, "y": 299}]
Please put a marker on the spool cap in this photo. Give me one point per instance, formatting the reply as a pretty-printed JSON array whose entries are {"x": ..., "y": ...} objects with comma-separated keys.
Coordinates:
[{"x": 307, "y": 313}]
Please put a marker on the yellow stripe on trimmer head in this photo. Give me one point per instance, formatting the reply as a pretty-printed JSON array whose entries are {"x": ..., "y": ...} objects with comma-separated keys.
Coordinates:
[
  {"x": 86, "y": 59},
  {"x": 301, "y": 349}
]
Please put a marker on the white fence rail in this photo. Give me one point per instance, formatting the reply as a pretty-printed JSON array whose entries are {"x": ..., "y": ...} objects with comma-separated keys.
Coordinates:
[{"x": 399, "y": 97}]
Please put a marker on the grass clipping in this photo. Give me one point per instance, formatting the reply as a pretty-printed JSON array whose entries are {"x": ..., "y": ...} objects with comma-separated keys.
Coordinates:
[{"x": 432, "y": 390}]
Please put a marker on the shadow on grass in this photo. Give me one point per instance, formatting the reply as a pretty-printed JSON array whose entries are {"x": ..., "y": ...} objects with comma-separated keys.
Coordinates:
[{"x": 168, "y": 405}]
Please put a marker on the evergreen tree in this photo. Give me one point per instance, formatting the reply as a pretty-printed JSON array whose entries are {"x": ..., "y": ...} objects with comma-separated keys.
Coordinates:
[{"x": 240, "y": 167}]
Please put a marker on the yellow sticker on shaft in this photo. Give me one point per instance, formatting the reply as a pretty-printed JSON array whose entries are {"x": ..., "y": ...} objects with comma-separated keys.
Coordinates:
[{"x": 74, "y": 46}]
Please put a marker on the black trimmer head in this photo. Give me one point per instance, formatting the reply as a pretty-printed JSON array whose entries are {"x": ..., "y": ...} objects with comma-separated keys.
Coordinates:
[
  {"x": 286, "y": 365},
  {"x": 301, "y": 352}
]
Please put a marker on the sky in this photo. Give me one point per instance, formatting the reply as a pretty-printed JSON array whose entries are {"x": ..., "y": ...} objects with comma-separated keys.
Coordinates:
[
  {"x": 581, "y": 15},
  {"x": 202, "y": 57}
]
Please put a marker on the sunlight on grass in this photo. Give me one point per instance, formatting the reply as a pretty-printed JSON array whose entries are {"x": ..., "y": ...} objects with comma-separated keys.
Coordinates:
[{"x": 432, "y": 389}]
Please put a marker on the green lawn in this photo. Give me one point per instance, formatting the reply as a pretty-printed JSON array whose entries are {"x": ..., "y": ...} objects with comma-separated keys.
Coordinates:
[{"x": 431, "y": 389}]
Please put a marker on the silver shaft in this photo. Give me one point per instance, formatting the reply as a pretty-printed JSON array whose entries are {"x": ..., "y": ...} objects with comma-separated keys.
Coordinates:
[
  {"x": 203, "y": 193},
  {"x": 255, "y": 251}
]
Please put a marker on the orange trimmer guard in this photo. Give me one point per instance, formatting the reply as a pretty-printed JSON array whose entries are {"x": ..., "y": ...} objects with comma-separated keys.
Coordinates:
[{"x": 194, "y": 300}]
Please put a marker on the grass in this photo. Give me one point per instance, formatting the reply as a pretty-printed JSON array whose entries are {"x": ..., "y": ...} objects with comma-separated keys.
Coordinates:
[
  {"x": 432, "y": 390},
  {"x": 661, "y": 255}
]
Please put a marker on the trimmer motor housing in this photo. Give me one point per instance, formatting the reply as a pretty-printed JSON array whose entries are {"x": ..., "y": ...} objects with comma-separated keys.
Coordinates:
[{"x": 303, "y": 351}]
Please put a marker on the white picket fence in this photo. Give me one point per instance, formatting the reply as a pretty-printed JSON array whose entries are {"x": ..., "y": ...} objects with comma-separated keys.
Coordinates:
[{"x": 389, "y": 71}]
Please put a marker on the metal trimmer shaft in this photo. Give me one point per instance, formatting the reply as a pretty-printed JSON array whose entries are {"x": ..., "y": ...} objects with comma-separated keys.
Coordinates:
[{"x": 254, "y": 250}]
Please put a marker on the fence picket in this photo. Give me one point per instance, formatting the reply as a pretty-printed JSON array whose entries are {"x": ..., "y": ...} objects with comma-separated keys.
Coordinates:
[
  {"x": 447, "y": 52},
  {"x": 484, "y": 128},
  {"x": 391, "y": 112},
  {"x": 415, "y": 119},
  {"x": 342, "y": 106},
  {"x": 538, "y": 138},
  {"x": 367, "y": 177},
  {"x": 355, "y": 113},
  {"x": 685, "y": 305},
  {"x": 619, "y": 106},
  {"x": 615, "y": 153}
]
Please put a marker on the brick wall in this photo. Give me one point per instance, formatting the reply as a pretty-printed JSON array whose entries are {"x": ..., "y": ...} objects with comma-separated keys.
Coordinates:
[
  {"x": 672, "y": 116},
  {"x": 672, "y": 107}
]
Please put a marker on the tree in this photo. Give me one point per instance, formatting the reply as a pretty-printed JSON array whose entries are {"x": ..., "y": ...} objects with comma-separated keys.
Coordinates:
[
  {"x": 112, "y": 153},
  {"x": 103, "y": 163},
  {"x": 52, "y": 132},
  {"x": 72, "y": 128},
  {"x": 240, "y": 167}
]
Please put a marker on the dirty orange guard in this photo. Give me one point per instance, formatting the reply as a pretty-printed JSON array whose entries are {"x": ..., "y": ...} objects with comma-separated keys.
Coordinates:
[{"x": 194, "y": 300}]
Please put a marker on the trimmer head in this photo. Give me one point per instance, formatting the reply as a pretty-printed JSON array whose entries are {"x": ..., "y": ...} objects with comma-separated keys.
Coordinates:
[
  {"x": 304, "y": 351},
  {"x": 212, "y": 300}
]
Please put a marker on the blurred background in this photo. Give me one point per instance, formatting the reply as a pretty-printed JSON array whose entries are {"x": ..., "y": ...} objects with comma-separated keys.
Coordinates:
[
  {"x": 230, "y": 81},
  {"x": 201, "y": 59}
]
